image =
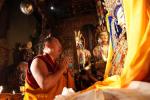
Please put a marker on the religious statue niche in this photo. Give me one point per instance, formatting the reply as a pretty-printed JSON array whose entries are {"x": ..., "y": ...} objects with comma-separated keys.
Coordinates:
[
  {"x": 82, "y": 76},
  {"x": 83, "y": 55},
  {"x": 118, "y": 38}
]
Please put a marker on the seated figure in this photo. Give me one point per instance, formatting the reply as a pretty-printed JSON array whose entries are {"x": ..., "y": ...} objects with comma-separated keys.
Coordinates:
[
  {"x": 101, "y": 50},
  {"x": 100, "y": 53}
]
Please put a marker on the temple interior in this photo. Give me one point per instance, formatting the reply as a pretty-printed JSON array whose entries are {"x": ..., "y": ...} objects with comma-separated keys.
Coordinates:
[{"x": 108, "y": 42}]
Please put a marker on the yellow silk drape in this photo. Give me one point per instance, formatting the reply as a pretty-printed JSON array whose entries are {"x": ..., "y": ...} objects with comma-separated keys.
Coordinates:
[
  {"x": 110, "y": 53},
  {"x": 137, "y": 63}
]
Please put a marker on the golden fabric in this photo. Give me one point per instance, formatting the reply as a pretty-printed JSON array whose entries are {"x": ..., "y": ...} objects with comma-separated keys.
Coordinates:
[
  {"x": 39, "y": 94},
  {"x": 109, "y": 59},
  {"x": 110, "y": 53},
  {"x": 137, "y": 63},
  {"x": 108, "y": 83}
]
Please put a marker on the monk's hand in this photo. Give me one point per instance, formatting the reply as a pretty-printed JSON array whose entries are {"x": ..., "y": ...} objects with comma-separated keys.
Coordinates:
[{"x": 64, "y": 63}]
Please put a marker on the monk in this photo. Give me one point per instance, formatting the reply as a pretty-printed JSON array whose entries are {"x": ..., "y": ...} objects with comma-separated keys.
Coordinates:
[{"x": 45, "y": 78}]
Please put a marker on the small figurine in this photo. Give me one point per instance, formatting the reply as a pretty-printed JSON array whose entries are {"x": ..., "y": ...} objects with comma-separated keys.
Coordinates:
[
  {"x": 28, "y": 53},
  {"x": 82, "y": 53}
]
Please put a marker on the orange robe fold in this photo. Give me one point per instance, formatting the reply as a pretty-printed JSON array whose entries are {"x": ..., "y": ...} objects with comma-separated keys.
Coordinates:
[{"x": 40, "y": 94}]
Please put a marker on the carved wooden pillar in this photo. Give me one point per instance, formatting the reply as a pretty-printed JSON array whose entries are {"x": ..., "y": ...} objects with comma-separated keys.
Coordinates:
[{"x": 4, "y": 23}]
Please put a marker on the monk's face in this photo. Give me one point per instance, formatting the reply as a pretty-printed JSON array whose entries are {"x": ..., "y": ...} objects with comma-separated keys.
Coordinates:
[
  {"x": 57, "y": 47},
  {"x": 54, "y": 47}
]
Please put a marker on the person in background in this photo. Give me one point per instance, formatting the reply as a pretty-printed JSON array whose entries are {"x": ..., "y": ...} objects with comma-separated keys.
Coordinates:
[{"x": 45, "y": 78}]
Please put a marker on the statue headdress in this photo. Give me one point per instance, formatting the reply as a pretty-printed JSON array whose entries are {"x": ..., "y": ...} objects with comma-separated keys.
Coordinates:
[{"x": 79, "y": 39}]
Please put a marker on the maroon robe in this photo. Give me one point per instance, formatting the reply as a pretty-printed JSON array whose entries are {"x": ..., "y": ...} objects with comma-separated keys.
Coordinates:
[{"x": 51, "y": 66}]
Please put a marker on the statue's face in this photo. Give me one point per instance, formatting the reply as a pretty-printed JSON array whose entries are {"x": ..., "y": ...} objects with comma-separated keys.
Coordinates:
[
  {"x": 29, "y": 45},
  {"x": 121, "y": 17},
  {"x": 78, "y": 42},
  {"x": 104, "y": 37}
]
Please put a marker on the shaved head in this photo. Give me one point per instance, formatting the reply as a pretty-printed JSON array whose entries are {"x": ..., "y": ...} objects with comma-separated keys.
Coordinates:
[{"x": 49, "y": 41}]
